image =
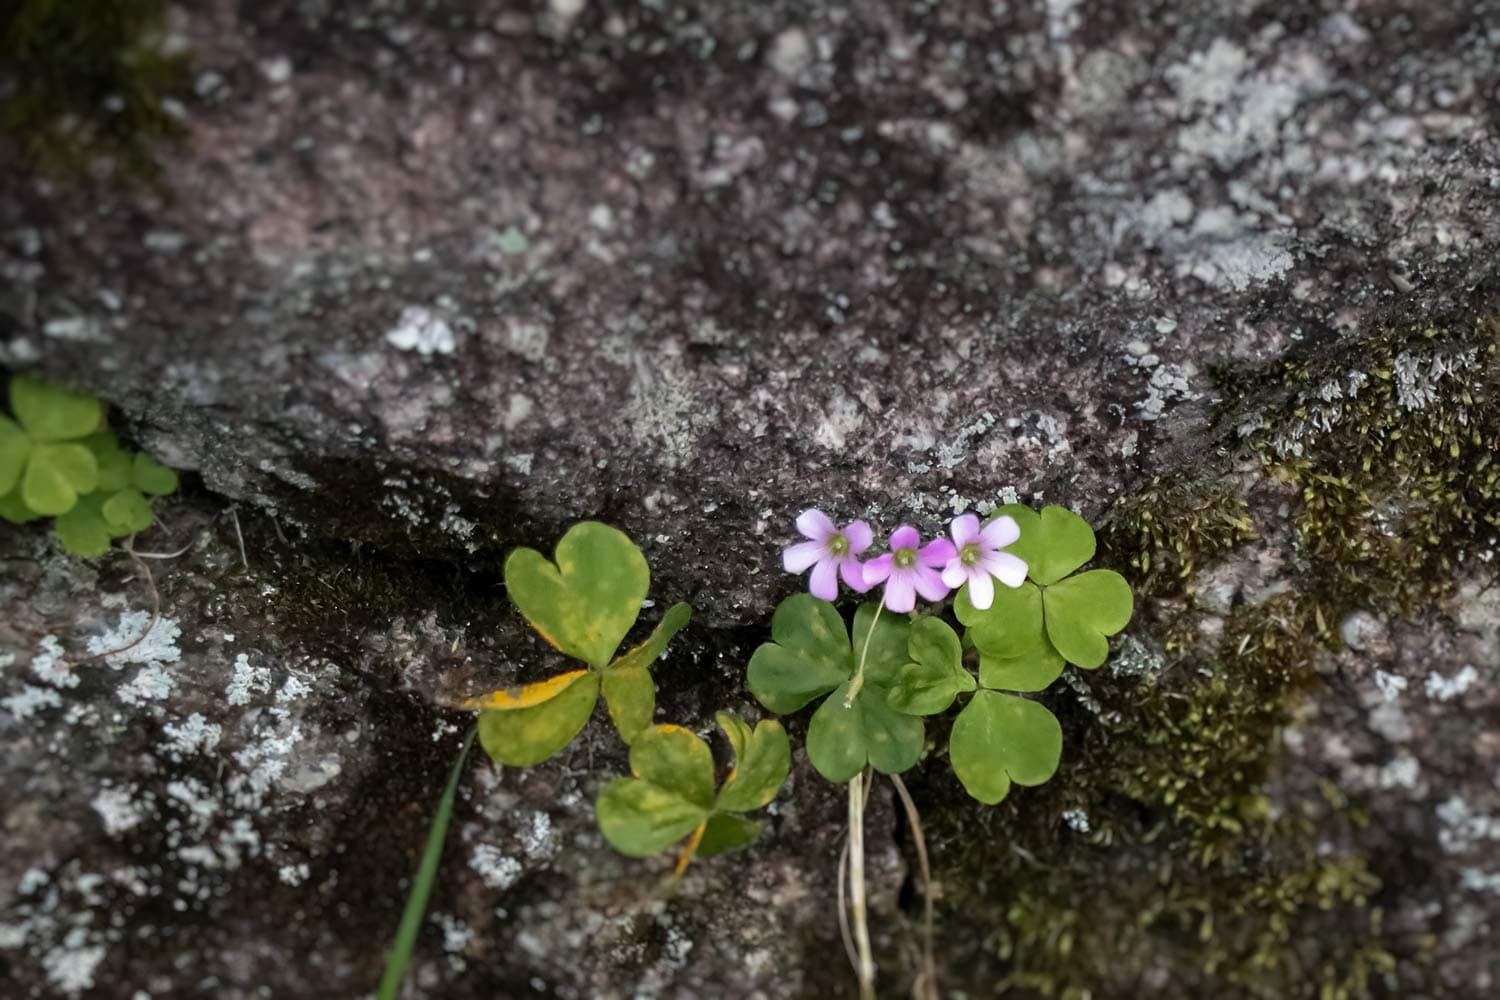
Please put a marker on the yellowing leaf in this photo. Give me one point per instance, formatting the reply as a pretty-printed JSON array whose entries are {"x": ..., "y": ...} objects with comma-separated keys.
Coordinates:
[
  {"x": 526, "y": 695},
  {"x": 525, "y": 736},
  {"x": 763, "y": 757}
]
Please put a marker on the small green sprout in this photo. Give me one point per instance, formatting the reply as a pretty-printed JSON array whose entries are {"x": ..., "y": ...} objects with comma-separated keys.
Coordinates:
[
  {"x": 58, "y": 460},
  {"x": 672, "y": 797},
  {"x": 583, "y": 604}
]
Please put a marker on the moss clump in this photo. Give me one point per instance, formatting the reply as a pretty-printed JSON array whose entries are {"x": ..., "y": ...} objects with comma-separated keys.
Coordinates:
[
  {"x": 1195, "y": 865},
  {"x": 87, "y": 78},
  {"x": 1206, "y": 745},
  {"x": 1167, "y": 532},
  {"x": 1393, "y": 456},
  {"x": 1186, "y": 877}
]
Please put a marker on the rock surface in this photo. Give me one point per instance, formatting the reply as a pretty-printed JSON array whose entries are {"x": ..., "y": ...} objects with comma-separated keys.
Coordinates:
[{"x": 435, "y": 279}]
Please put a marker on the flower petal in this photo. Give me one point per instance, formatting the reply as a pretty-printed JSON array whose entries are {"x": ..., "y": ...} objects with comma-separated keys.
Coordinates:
[
  {"x": 1001, "y": 531},
  {"x": 824, "y": 582},
  {"x": 905, "y": 537},
  {"x": 1008, "y": 569},
  {"x": 964, "y": 529},
  {"x": 798, "y": 558},
  {"x": 936, "y": 553},
  {"x": 930, "y": 583},
  {"x": 981, "y": 591},
  {"x": 877, "y": 569},
  {"x": 899, "y": 595},
  {"x": 860, "y": 536},
  {"x": 814, "y": 524},
  {"x": 955, "y": 573},
  {"x": 853, "y": 572}
]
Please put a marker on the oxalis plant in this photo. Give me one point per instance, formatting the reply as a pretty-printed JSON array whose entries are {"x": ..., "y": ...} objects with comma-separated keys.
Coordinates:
[
  {"x": 58, "y": 459},
  {"x": 1025, "y": 611},
  {"x": 583, "y": 602},
  {"x": 874, "y": 685}
]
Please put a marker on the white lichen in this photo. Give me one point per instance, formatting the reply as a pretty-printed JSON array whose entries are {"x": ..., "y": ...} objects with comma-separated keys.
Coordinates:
[
  {"x": 48, "y": 665},
  {"x": 30, "y": 700},
  {"x": 498, "y": 870},
  {"x": 192, "y": 735},
  {"x": 247, "y": 681},
  {"x": 152, "y": 683},
  {"x": 421, "y": 330},
  {"x": 1440, "y": 688},
  {"x": 117, "y": 809},
  {"x": 157, "y": 646},
  {"x": 1390, "y": 685}
]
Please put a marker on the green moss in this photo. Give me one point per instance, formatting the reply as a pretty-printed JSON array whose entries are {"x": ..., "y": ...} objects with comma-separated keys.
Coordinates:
[
  {"x": 1393, "y": 457},
  {"x": 84, "y": 79},
  {"x": 1164, "y": 534},
  {"x": 1207, "y": 869}
]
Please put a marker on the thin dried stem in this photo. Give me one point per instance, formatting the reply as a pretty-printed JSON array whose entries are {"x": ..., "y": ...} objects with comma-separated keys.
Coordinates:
[
  {"x": 129, "y": 550},
  {"x": 165, "y": 555},
  {"x": 849, "y": 951},
  {"x": 927, "y": 983},
  {"x": 865, "y": 968},
  {"x": 238, "y": 537}
]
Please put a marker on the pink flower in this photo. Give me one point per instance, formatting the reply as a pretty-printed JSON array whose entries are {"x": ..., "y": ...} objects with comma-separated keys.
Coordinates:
[
  {"x": 831, "y": 553},
  {"x": 909, "y": 570},
  {"x": 977, "y": 557}
]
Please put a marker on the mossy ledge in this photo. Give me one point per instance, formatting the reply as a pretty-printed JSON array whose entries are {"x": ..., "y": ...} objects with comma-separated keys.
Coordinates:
[
  {"x": 88, "y": 80},
  {"x": 1176, "y": 850}
]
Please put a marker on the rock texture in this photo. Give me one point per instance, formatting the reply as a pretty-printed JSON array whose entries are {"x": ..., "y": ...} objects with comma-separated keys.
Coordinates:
[{"x": 427, "y": 280}]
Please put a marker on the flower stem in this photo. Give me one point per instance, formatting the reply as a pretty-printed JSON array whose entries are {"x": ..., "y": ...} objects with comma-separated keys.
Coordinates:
[
  {"x": 865, "y": 969},
  {"x": 859, "y": 672}
]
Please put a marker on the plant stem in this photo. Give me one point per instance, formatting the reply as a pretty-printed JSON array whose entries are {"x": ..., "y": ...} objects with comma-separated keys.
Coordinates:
[
  {"x": 686, "y": 857},
  {"x": 865, "y": 970},
  {"x": 421, "y": 886},
  {"x": 859, "y": 672},
  {"x": 927, "y": 982}
]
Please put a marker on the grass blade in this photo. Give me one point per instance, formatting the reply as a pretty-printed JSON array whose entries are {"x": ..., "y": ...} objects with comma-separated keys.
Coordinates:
[{"x": 421, "y": 887}]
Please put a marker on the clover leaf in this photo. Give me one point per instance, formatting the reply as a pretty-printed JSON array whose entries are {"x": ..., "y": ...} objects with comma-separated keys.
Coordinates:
[
  {"x": 935, "y": 676},
  {"x": 57, "y": 459},
  {"x": 1029, "y": 630},
  {"x": 113, "y": 461},
  {"x": 14, "y": 509},
  {"x": 1083, "y": 611},
  {"x": 811, "y": 655},
  {"x": 1054, "y": 542},
  {"x": 38, "y": 449},
  {"x": 999, "y": 739},
  {"x": 671, "y": 795},
  {"x": 83, "y": 530},
  {"x": 583, "y": 604},
  {"x": 15, "y": 446},
  {"x": 50, "y": 413},
  {"x": 585, "y": 601},
  {"x": 525, "y": 725},
  {"x": 150, "y": 476}
]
